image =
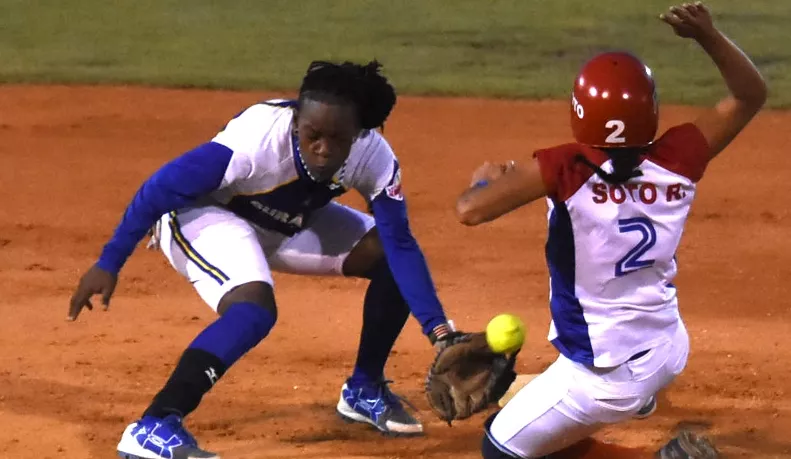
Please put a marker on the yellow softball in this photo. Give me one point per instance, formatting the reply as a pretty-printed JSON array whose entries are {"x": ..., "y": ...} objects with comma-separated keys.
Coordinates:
[{"x": 505, "y": 333}]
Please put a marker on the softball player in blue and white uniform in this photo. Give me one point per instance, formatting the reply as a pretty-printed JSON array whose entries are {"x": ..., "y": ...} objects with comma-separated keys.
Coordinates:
[{"x": 259, "y": 197}]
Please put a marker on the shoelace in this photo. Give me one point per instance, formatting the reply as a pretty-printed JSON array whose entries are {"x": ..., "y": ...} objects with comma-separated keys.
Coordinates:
[{"x": 176, "y": 425}]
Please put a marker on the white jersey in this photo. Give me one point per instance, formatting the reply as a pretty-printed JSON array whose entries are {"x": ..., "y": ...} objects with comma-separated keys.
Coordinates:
[
  {"x": 267, "y": 183},
  {"x": 611, "y": 250}
]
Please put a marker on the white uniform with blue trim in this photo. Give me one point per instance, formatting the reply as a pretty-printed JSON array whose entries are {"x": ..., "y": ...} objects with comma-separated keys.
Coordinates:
[
  {"x": 611, "y": 253},
  {"x": 268, "y": 214}
]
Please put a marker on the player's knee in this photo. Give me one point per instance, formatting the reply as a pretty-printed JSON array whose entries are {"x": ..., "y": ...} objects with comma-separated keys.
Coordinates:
[
  {"x": 257, "y": 293},
  {"x": 490, "y": 449},
  {"x": 365, "y": 256}
]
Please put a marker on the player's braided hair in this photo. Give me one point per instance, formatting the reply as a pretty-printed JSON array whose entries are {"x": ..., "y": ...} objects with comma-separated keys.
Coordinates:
[
  {"x": 624, "y": 165},
  {"x": 361, "y": 85}
]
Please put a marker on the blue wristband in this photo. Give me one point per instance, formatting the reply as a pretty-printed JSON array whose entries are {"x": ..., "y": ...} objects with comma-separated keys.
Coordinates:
[{"x": 480, "y": 183}]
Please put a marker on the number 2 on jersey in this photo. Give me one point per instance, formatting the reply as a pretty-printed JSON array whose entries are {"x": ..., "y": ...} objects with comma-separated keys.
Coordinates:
[{"x": 631, "y": 261}]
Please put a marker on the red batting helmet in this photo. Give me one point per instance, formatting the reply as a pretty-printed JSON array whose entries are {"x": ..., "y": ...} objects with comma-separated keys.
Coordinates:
[{"x": 614, "y": 102}]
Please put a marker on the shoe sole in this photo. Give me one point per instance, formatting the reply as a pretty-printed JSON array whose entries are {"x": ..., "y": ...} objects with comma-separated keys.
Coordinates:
[
  {"x": 366, "y": 421},
  {"x": 644, "y": 414},
  {"x": 123, "y": 455},
  {"x": 128, "y": 443},
  {"x": 128, "y": 456},
  {"x": 350, "y": 416},
  {"x": 177, "y": 455}
]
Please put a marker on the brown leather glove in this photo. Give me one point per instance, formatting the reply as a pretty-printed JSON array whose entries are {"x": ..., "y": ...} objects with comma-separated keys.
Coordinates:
[{"x": 467, "y": 376}]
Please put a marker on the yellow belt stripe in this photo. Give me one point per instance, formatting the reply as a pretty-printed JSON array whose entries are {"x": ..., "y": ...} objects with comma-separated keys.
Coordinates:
[{"x": 194, "y": 256}]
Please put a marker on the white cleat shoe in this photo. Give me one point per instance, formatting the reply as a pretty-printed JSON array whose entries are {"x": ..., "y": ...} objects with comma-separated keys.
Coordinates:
[
  {"x": 155, "y": 438},
  {"x": 376, "y": 405}
]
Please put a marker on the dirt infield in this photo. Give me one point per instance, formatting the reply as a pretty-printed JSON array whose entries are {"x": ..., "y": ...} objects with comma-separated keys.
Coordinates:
[{"x": 71, "y": 158}]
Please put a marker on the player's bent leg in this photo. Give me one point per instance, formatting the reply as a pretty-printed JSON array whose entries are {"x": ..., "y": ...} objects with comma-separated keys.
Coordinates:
[
  {"x": 248, "y": 314},
  {"x": 586, "y": 448},
  {"x": 365, "y": 397},
  {"x": 222, "y": 258},
  {"x": 542, "y": 418},
  {"x": 342, "y": 241},
  {"x": 365, "y": 256},
  {"x": 490, "y": 449},
  {"x": 385, "y": 311},
  {"x": 258, "y": 293},
  {"x": 567, "y": 403}
]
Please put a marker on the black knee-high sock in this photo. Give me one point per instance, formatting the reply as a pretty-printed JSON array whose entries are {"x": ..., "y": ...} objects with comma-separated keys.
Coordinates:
[
  {"x": 195, "y": 374},
  {"x": 209, "y": 356},
  {"x": 384, "y": 314}
]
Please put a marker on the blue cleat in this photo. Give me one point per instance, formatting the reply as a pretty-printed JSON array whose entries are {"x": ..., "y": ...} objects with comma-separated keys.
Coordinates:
[
  {"x": 155, "y": 438},
  {"x": 376, "y": 405}
]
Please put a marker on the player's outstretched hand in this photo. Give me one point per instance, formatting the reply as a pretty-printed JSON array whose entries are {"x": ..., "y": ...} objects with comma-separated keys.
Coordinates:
[
  {"x": 467, "y": 376},
  {"x": 95, "y": 281},
  {"x": 690, "y": 20}
]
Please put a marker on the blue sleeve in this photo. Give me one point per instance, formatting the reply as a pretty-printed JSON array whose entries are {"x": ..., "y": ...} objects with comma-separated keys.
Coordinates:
[
  {"x": 407, "y": 262},
  {"x": 177, "y": 184}
]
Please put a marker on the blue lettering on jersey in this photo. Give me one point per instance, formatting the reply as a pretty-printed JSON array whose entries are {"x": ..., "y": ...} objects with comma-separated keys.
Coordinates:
[{"x": 286, "y": 208}]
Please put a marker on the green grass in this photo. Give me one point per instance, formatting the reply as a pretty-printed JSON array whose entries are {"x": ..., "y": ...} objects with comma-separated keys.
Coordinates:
[{"x": 501, "y": 48}]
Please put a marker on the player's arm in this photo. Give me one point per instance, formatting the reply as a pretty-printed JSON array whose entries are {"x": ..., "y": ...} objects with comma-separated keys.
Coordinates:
[
  {"x": 497, "y": 189},
  {"x": 186, "y": 179},
  {"x": 380, "y": 185},
  {"x": 405, "y": 258},
  {"x": 721, "y": 124},
  {"x": 177, "y": 184}
]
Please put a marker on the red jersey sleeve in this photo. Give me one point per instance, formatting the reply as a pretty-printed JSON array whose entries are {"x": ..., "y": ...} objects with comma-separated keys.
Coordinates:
[
  {"x": 682, "y": 150},
  {"x": 562, "y": 173}
]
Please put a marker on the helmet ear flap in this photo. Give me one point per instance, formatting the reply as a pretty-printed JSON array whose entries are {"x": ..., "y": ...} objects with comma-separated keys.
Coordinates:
[{"x": 614, "y": 102}]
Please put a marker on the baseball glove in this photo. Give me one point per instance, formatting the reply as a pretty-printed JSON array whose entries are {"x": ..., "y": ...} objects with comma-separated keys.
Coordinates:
[{"x": 467, "y": 376}]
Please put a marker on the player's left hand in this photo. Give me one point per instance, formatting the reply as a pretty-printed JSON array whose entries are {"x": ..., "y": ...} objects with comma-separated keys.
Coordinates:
[
  {"x": 95, "y": 281},
  {"x": 489, "y": 172},
  {"x": 690, "y": 20},
  {"x": 466, "y": 376}
]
